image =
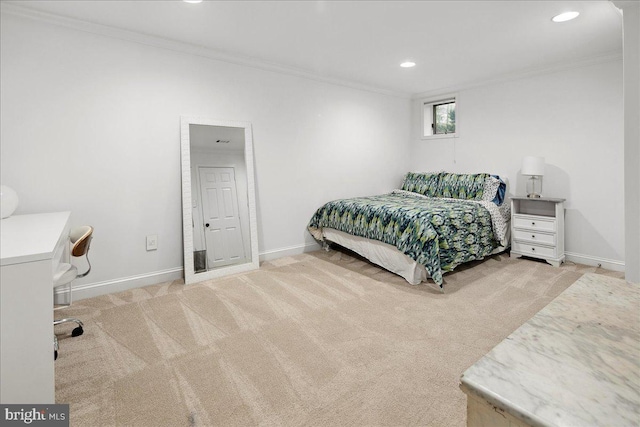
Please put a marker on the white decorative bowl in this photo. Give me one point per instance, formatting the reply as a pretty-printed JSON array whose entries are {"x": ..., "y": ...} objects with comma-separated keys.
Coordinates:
[{"x": 8, "y": 201}]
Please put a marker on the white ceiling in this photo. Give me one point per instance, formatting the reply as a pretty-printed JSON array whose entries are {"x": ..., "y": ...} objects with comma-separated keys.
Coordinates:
[{"x": 454, "y": 43}]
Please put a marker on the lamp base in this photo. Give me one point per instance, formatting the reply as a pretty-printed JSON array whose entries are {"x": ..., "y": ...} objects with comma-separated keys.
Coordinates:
[
  {"x": 9, "y": 201},
  {"x": 534, "y": 187}
]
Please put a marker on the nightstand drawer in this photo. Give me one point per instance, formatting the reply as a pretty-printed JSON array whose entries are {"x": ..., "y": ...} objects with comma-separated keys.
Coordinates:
[
  {"x": 534, "y": 250},
  {"x": 534, "y": 223},
  {"x": 535, "y": 237}
]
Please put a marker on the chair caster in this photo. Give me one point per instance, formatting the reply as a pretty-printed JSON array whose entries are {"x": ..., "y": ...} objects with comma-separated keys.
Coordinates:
[{"x": 77, "y": 331}]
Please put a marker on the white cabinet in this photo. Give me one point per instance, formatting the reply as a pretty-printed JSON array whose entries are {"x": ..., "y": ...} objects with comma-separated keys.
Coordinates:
[
  {"x": 32, "y": 246},
  {"x": 537, "y": 228}
]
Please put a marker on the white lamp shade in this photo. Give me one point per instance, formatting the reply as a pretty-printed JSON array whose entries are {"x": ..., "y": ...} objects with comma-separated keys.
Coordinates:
[
  {"x": 8, "y": 201},
  {"x": 533, "y": 166}
]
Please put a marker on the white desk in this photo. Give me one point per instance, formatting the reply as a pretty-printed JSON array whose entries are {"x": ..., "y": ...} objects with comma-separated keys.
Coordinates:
[{"x": 31, "y": 248}]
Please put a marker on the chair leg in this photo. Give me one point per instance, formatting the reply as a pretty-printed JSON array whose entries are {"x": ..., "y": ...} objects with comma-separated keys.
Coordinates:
[
  {"x": 55, "y": 347},
  {"x": 77, "y": 331}
]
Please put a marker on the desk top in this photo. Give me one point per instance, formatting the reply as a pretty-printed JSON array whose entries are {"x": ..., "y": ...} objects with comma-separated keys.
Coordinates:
[
  {"x": 27, "y": 238},
  {"x": 575, "y": 363}
]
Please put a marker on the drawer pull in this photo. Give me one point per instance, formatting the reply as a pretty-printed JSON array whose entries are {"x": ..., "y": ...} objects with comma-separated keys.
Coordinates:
[
  {"x": 533, "y": 236},
  {"x": 533, "y": 249},
  {"x": 533, "y": 223}
]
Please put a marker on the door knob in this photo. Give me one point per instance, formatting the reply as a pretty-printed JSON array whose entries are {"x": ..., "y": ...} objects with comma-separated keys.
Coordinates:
[{"x": 206, "y": 225}]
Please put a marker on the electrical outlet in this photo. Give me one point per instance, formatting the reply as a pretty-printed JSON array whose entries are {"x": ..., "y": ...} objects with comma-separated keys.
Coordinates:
[{"x": 152, "y": 242}]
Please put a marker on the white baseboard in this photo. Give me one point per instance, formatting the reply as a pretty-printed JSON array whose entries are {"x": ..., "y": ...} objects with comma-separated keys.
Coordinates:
[
  {"x": 289, "y": 251},
  {"x": 91, "y": 290},
  {"x": 609, "y": 264}
]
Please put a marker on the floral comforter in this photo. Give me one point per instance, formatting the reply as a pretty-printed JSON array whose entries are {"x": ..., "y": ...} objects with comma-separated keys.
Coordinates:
[{"x": 438, "y": 233}]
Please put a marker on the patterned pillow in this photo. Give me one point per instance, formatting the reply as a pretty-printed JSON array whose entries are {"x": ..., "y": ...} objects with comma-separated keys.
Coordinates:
[
  {"x": 491, "y": 186},
  {"x": 495, "y": 190},
  {"x": 423, "y": 183},
  {"x": 461, "y": 186}
]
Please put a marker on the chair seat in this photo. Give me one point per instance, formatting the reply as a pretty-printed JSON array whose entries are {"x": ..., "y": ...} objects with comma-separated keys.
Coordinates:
[{"x": 64, "y": 274}]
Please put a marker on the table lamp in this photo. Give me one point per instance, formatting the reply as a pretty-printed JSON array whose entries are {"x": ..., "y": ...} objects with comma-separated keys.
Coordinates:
[{"x": 533, "y": 167}]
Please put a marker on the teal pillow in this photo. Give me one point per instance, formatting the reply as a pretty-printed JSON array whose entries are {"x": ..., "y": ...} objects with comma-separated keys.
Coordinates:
[
  {"x": 422, "y": 183},
  {"x": 461, "y": 186}
]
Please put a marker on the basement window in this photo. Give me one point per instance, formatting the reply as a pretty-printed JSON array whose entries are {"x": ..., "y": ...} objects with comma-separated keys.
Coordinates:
[{"x": 439, "y": 118}]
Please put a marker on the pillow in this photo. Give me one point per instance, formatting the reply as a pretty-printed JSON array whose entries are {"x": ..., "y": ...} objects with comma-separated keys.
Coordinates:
[
  {"x": 502, "y": 191},
  {"x": 462, "y": 186},
  {"x": 491, "y": 186},
  {"x": 425, "y": 183}
]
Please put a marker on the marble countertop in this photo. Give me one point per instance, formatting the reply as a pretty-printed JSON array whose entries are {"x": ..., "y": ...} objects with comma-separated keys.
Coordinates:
[{"x": 575, "y": 363}]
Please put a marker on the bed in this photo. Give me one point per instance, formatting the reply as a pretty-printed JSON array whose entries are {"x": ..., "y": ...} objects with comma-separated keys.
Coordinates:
[{"x": 433, "y": 223}]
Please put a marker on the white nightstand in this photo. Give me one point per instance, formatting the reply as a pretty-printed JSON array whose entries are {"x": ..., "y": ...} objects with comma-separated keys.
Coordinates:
[{"x": 537, "y": 228}]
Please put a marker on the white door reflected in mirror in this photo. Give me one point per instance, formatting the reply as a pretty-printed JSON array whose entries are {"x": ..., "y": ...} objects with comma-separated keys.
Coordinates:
[{"x": 223, "y": 240}]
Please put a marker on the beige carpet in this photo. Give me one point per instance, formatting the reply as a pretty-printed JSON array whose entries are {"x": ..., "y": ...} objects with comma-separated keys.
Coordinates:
[{"x": 317, "y": 339}]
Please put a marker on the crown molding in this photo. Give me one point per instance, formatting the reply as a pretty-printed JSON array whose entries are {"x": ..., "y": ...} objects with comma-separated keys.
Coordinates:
[
  {"x": 187, "y": 48},
  {"x": 526, "y": 73}
]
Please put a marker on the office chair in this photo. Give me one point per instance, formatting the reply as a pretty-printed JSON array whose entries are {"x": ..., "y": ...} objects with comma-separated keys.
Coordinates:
[{"x": 80, "y": 238}]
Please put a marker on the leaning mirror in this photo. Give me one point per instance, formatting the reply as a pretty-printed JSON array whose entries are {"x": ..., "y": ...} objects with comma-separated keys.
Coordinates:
[{"x": 218, "y": 198}]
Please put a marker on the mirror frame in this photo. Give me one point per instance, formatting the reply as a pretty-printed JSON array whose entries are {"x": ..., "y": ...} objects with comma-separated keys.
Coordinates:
[{"x": 190, "y": 276}]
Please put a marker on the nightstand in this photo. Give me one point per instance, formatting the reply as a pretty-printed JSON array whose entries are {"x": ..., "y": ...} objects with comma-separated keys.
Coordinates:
[{"x": 537, "y": 228}]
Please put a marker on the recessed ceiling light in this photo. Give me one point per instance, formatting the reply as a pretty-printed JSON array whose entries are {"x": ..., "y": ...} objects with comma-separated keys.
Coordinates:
[
  {"x": 408, "y": 64},
  {"x": 192, "y": 1},
  {"x": 566, "y": 16}
]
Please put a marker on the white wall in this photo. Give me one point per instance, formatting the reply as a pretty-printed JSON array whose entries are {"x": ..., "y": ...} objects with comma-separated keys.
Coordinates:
[
  {"x": 631, "y": 25},
  {"x": 90, "y": 124},
  {"x": 573, "y": 118}
]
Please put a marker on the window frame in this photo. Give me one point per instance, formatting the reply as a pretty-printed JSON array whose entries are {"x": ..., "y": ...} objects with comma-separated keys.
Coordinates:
[{"x": 427, "y": 109}]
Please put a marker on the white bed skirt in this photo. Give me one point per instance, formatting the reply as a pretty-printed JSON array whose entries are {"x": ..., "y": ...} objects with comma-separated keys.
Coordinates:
[
  {"x": 384, "y": 255},
  {"x": 380, "y": 253}
]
